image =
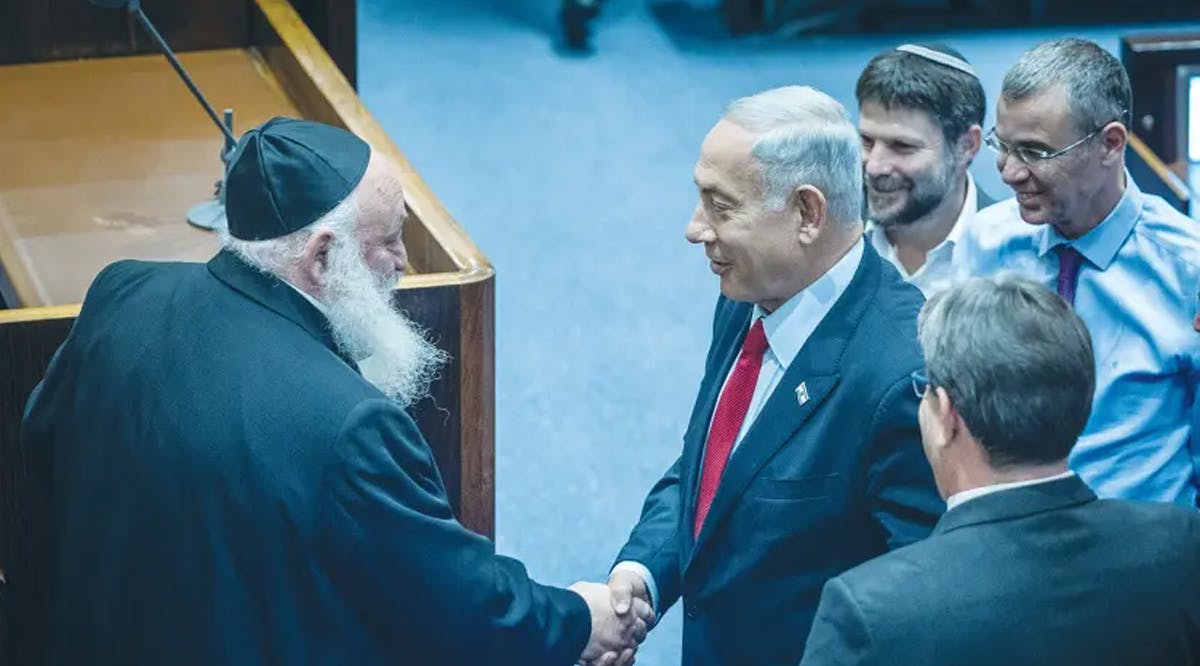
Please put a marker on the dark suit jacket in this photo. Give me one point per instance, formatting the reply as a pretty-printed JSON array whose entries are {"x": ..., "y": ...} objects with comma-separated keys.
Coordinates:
[
  {"x": 1041, "y": 575},
  {"x": 812, "y": 490},
  {"x": 228, "y": 490}
]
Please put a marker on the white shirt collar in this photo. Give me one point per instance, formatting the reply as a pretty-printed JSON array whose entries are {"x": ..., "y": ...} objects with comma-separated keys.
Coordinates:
[
  {"x": 883, "y": 246},
  {"x": 316, "y": 304},
  {"x": 791, "y": 324},
  {"x": 958, "y": 499}
]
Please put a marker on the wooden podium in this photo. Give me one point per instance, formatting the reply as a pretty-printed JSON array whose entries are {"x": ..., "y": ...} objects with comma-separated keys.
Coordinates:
[{"x": 101, "y": 157}]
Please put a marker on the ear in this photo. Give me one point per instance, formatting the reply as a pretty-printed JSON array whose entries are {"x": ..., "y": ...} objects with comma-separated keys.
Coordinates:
[
  {"x": 811, "y": 211},
  {"x": 1114, "y": 137},
  {"x": 946, "y": 416},
  {"x": 969, "y": 144},
  {"x": 314, "y": 262}
]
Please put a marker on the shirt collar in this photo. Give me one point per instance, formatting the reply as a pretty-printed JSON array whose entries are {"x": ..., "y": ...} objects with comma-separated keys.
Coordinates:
[
  {"x": 315, "y": 303},
  {"x": 958, "y": 499},
  {"x": 1100, "y": 245},
  {"x": 883, "y": 246},
  {"x": 790, "y": 325}
]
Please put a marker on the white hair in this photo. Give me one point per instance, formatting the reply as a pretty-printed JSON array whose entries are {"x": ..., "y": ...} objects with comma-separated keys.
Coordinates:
[
  {"x": 393, "y": 352},
  {"x": 278, "y": 255},
  {"x": 804, "y": 138}
]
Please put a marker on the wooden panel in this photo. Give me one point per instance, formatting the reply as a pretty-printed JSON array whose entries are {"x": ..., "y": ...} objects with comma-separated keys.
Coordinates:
[
  {"x": 40, "y": 30},
  {"x": 103, "y": 158},
  {"x": 25, "y": 351},
  {"x": 322, "y": 93},
  {"x": 24, "y": 30},
  {"x": 57, "y": 29},
  {"x": 1153, "y": 176},
  {"x": 477, "y": 414},
  {"x": 335, "y": 24},
  {"x": 458, "y": 420},
  {"x": 1151, "y": 61}
]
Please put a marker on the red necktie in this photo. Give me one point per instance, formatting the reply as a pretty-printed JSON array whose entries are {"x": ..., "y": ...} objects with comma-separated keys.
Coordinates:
[
  {"x": 727, "y": 422},
  {"x": 1069, "y": 261}
]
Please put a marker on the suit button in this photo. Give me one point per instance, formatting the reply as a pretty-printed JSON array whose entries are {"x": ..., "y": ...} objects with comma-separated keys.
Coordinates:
[{"x": 692, "y": 610}]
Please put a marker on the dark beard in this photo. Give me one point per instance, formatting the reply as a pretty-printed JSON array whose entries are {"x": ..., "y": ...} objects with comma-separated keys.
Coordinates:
[
  {"x": 920, "y": 204},
  {"x": 924, "y": 195}
]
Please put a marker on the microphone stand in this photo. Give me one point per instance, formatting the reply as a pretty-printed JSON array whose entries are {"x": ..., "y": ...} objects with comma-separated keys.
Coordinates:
[{"x": 209, "y": 214}]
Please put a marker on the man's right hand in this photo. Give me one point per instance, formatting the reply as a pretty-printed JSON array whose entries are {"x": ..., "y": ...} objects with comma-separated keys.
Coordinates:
[
  {"x": 625, "y": 586},
  {"x": 615, "y": 636}
]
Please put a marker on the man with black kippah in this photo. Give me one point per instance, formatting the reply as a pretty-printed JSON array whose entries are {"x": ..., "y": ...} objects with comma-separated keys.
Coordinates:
[
  {"x": 235, "y": 479},
  {"x": 921, "y": 109}
]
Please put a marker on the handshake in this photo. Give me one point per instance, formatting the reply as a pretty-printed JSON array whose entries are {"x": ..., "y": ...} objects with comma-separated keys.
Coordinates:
[{"x": 621, "y": 617}]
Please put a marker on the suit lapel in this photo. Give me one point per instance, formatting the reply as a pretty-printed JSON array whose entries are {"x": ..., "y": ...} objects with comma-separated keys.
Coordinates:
[
  {"x": 817, "y": 365},
  {"x": 273, "y": 294}
]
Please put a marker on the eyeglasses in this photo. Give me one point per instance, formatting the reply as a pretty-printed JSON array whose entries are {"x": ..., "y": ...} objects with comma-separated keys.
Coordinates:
[
  {"x": 1029, "y": 155},
  {"x": 920, "y": 383}
]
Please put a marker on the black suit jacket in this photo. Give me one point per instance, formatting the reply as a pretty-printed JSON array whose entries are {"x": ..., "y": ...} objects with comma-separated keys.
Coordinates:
[
  {"x": 812, "y": 490},
  {"x": 1040, "y": 575},
  {"x": 228, "y": 490}
]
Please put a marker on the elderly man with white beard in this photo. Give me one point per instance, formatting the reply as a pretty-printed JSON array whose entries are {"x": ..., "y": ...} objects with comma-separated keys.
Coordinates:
[{"x": 229, "y": 489}]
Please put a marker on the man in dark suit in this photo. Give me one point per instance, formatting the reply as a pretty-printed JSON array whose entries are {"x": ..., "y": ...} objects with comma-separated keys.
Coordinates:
[
  {"x": 229, "y": 489},
  {"x": 1026, "y": 566},
  {"x": 802, "y": 457},
  {"x": 921, "y": 112}
]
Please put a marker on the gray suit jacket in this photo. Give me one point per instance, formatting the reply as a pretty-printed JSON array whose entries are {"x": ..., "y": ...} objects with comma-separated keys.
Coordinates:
[{"x": 1044, "y": 574}]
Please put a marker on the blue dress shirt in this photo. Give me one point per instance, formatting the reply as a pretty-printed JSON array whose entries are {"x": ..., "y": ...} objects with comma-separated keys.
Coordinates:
[{"x": 1137, "y": 295}]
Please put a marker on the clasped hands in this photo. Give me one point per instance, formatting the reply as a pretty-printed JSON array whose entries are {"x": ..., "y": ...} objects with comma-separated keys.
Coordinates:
[{"x": 621, "y": 617}]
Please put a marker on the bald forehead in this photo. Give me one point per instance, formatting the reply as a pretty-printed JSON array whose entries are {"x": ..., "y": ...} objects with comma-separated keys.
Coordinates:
[{"x": 381, "y": 187}]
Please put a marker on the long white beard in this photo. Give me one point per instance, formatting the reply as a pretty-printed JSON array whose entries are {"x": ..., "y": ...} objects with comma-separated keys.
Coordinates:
[{"x": 392, "y": 351}]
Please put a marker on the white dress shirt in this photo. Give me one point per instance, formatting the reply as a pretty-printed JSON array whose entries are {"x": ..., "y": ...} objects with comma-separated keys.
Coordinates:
[
  {"x": 787, "y": 329},
  {"x": 937, "y": 272},
  {"x": 958, "y": 499}
]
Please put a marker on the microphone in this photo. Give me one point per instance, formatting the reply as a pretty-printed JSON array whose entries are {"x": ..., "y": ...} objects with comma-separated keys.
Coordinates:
[{"x": 209, "y": 214}]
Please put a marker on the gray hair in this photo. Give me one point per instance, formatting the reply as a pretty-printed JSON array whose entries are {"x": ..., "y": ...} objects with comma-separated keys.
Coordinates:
[
  {"x": 1017, "y": 363},
  {"x": 804, "y": 138},
  {"x": 1096, "y": 84},
  {"x": 278, "y": 255}
]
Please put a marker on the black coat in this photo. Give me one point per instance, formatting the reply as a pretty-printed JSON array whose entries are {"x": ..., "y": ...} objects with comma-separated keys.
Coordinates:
[
  {"x": 229, "y": 490},
  {"x": 1042, "y": 575}
]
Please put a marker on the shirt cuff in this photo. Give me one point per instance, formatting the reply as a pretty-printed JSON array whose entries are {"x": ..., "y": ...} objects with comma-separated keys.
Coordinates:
[{"x": 641, "y": 570}]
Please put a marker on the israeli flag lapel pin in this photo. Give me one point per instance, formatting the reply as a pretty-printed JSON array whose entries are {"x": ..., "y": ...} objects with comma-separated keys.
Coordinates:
[{"x": 802, "y": 393}]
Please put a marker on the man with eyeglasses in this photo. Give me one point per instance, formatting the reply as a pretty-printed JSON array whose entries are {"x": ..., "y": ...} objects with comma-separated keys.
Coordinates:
[
  {"x": 1026, "y": 566},
  {"x": 1126, "y": 261}
]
